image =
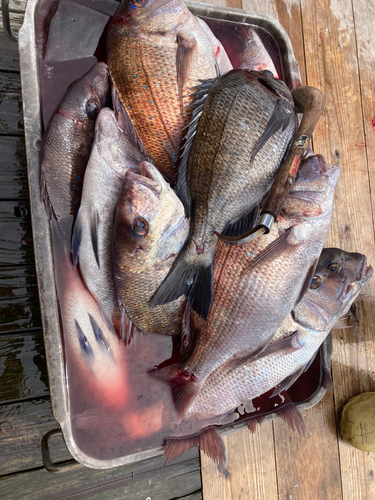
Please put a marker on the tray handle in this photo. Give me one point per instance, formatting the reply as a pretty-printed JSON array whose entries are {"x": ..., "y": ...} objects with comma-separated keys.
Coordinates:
[
  {"x": 6, "y": 21},
  {"x": 47, "y": 462}
]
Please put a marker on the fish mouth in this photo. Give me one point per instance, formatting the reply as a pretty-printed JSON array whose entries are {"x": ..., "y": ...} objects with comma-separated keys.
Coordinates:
[
  {"x": 318, "y": 196},
  {"x": 148, "y": 177},
  {"x": 364, "y": 271}
]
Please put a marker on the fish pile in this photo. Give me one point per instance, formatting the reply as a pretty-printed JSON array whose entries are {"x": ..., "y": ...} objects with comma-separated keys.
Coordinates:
[{"x": 149, "y": 164}]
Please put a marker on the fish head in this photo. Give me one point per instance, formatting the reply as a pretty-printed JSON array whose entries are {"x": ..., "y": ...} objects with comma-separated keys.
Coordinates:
[
  {"x": 159, "y": 16},
  {"x": 150, "y": 217},
  {"x": 329, "y": 296},
  {"x": 113, "y": 145},
  {"x": 353, "y": 265},
  {"x": 312, "y": 194},
  {"x": 87, "y": 96}
]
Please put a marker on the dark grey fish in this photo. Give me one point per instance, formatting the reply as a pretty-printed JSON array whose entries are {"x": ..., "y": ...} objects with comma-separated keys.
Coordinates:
[{"x": 231, "y": 156}]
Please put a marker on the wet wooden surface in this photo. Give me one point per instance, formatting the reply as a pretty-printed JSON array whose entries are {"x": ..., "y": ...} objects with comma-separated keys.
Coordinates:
[{"x": 332, "y": 42}]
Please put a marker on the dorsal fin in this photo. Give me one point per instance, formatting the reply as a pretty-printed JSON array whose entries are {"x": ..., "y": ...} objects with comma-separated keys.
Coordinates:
[{"x": 199, "y": 94}]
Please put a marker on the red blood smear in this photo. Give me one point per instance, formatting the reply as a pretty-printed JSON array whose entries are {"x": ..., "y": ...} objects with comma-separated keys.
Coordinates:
[{"x": 373, "y": 122}]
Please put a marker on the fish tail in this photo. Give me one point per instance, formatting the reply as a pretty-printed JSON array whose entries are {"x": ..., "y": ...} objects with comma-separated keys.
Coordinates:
[
  {"x": 252, "y": 422},
  {"x": 292, "y": 417},
  {"x": 209, "y": 441},
  {"x": 187, "y": 279}
]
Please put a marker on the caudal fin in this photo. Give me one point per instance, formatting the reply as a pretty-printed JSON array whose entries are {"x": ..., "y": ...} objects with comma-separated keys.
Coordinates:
[
  {"x": 186, "y": 279},
  {"x": 209, "y": 441},
  {"x": 292, "y": 416}
]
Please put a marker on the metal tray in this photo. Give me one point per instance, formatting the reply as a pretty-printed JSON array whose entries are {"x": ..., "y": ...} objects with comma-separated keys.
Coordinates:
[{"x": 41, "y": 230}]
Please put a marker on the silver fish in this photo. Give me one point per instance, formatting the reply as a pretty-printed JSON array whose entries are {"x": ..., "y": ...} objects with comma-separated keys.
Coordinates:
[{"x": 111, "y": 156}]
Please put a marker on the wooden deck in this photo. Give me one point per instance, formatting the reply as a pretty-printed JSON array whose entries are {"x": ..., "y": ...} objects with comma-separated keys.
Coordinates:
[{"x": 333, "y": 43}]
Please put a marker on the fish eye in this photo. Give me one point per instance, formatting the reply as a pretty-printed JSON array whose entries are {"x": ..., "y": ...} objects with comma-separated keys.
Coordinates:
[
  {"x": 140, "y": 226},
  {"x": 93, "y": 108},
  {"x": 138, "y": 3},
  {"x": 316, "y": 282},
  {"x": 334, "y": 268}
]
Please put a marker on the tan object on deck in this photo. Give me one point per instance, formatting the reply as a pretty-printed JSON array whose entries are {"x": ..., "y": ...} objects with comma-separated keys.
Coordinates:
[{"x": 357, "y": 424}]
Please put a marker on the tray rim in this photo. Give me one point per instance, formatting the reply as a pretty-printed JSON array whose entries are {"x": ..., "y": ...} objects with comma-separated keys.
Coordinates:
[{"x": 41, "y": 229}]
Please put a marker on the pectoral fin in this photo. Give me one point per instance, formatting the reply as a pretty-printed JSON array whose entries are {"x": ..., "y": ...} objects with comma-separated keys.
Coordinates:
[
  {"x": 274, "y": 250},
  {"x": 77, "y": 237},
  {"x": 280, "y": 118},
  {"x": 187, "y": 333},
  {"x": 287, "y": 345},
  {"x": 94, "y": 234},
  {"x": 186, "y": 50},
  {"x": 240, "y": 227}
]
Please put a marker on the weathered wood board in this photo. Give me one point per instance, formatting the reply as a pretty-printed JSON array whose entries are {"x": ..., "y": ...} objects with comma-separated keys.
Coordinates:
[
  {"x": 19, "y": 301},
  {"x": 11, "y": 121},
  {"x": 148, "y": 479},
  {"x": 23, "y": 370}
]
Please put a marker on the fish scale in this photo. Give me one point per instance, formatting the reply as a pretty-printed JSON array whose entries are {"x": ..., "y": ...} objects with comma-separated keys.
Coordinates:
[
  {"x": 140, "y": 262},
  {"x": 226, "y": 172},
  {"x": 67, "y": 142},
  {"x": 142, "y": 54},
  {"x": 251, "y": 301},
  {"x": 225, "y": 389}
]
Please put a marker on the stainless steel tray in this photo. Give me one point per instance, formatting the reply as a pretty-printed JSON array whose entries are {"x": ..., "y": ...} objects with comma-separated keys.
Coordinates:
[{"x": 41, "y": 230}]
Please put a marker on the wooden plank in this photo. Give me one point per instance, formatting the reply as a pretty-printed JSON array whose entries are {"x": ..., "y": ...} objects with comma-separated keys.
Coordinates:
[
  {"x": 251, "y": 467},
  {"x": 13, "y": 168},
  {"x": 332, "y": 65},
  {"x": 179, "y": 480},
  {"x": 23, "y": 369},
  {"x": 11, "y": 116},
  {"x": 9, "y": 58},
  {"x": 17, "y": 5},
  {"x": 19, "y": 302},
  {"x": 22, "y": 426},
  {"x": 309, "y": 467},
  {"x": 16, "y": 242}
]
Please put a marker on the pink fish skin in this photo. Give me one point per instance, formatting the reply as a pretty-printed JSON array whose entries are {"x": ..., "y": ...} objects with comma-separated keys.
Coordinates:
[
  {"x": 253, "y": 294},
  {"x": 157, "y": 53},
  {"x": 255, "y": 56},
  {"x": 298, "y": 339}
]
